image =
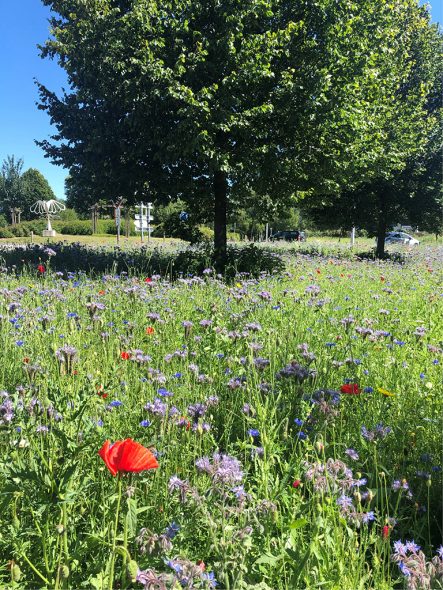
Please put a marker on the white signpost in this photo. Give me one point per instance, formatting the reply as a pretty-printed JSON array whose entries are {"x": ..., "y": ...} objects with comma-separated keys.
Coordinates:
[{"x": 143, "y": 220}]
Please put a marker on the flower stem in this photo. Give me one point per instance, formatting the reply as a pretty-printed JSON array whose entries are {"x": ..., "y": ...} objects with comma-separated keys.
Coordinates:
[{"x": 114, "y": 540}]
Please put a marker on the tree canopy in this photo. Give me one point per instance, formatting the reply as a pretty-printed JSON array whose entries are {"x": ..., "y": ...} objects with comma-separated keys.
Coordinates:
[{"x": 228, "y": 102}]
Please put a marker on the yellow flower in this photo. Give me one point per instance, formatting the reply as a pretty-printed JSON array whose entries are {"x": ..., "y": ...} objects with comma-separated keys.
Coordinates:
[
  {"x": 385, "y": 392},
  {"x": 239, "y": 285}
]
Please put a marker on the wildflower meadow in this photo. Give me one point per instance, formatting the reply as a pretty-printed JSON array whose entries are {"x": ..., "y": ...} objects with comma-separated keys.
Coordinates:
[{"x": 268, "y": 433}]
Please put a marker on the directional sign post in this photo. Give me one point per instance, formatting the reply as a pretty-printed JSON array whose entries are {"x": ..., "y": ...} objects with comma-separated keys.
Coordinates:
[{"x": 143, "y": 220}]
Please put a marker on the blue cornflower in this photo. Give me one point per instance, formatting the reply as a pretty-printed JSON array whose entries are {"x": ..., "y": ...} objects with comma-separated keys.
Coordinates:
[
  {"x": 177, "y": 375},
  {"x": 164, "y": 392},
  {"x": 115, "y": 403},
  {"x": 99, "y": 423},
  {"x": 368, "y": 389},
  {"x": 302, "y": 435},
  {"x": 422, "y": 375},
  {"x": 399, "y": 342},
  {"x": 172, "y": 530},
  {"x": 72, "y": 314},
  {"x": 19, "y": 342},
  {"x": 254, "y": 432},
  {"x": 145, "y": 423},
  {"x": 435, "y": 362},
  {"x": 298, "y": 422},
  {"x": 331, "y": 344}
]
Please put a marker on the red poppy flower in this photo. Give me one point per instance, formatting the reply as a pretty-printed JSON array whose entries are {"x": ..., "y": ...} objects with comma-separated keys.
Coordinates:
[
  {"x": 41, "y": 268},
  {"x": 385, "y": 532},
  {"x": 150, "y": 330},
  {"x": 26, "y": 360},
  {"x": 125, "y": 355},
  {"x": 318, "y": 271},
  {"x": 127, "y": 456},
  {"x": 382, "y": 279},
  {"x": 101, "y": 292},
  {"x": 148, "y": 280},
  {"x": 296, "y": 483},
  {"x": 350, "y": 388}
]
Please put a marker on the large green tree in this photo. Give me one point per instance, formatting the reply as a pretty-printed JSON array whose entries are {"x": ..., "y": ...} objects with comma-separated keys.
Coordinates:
[
  {"x": 406, "y": 183},
  {"x": 35, "y": 188},
  {"x": 226, "y": 102},
  {"x": 11, "y": 185}
]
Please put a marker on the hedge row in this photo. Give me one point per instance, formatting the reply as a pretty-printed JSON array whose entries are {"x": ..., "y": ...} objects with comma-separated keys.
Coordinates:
[{"x": 73, "y": 228}]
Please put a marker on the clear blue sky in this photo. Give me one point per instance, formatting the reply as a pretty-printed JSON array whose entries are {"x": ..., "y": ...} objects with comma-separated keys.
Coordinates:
[{"x": 24, "y": 24}]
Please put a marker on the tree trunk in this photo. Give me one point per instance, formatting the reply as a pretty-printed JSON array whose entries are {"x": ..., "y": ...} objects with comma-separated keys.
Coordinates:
[
  {"x": 381, "y": 234},
  {"x": 220, "y": 187}
]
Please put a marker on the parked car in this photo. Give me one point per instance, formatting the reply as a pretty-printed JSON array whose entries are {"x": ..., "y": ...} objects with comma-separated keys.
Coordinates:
[
  {"x": 289, "y": 236},
  {"x": 399, "y": 237}
]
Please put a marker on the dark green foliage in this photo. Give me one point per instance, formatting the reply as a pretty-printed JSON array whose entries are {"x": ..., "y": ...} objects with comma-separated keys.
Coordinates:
[
  {"x": 5, "y": 233},
  {"x": 189, "y": 261},
  {"x": 74, "y": 228},
  {"x": 227, "y": 104}
]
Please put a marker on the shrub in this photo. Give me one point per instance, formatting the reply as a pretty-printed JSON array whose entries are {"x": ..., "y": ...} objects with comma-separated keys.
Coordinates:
[
  {"x": 74, "y": 228},
  {"x": 107, "y": 226},
  {"x": 20, "y": 230},
  {"x": 5, "y": 233},
  {"x": 68, "y": 215},
  {"x": 3, "y": 221}
]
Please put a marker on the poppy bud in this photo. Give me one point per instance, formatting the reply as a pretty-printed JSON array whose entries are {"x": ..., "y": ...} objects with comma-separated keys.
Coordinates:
[
  {"x": 59, "y": 528},
  {"x": 429, "y": 482},
  {"x": 16, "y": 572},
  {"x": 370, "y": 495},
  {"x": 319, "y": 446},
  {"x": 382, "y": 474},
  {"x": 132, "y": 569},
  {"x": 64, "y": 572}
]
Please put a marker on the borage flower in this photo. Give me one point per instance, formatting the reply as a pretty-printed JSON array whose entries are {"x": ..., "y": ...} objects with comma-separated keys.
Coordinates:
[{"x": 127, "y": 456}]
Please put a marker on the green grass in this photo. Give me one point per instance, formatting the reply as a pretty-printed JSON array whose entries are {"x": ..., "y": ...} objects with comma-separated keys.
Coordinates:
[{"x": 285, "y": 528}]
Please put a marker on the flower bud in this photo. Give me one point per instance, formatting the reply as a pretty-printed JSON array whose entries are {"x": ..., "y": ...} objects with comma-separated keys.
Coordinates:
[
  {"x": 59, "y": 528},
  {"x": 319, "y": 446},
  {"x": 64, "y": 572},
  {"x": 16, "y": 572},
  {"x": 429, "y": 482},
  {"x": 132, "y": 569}
]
